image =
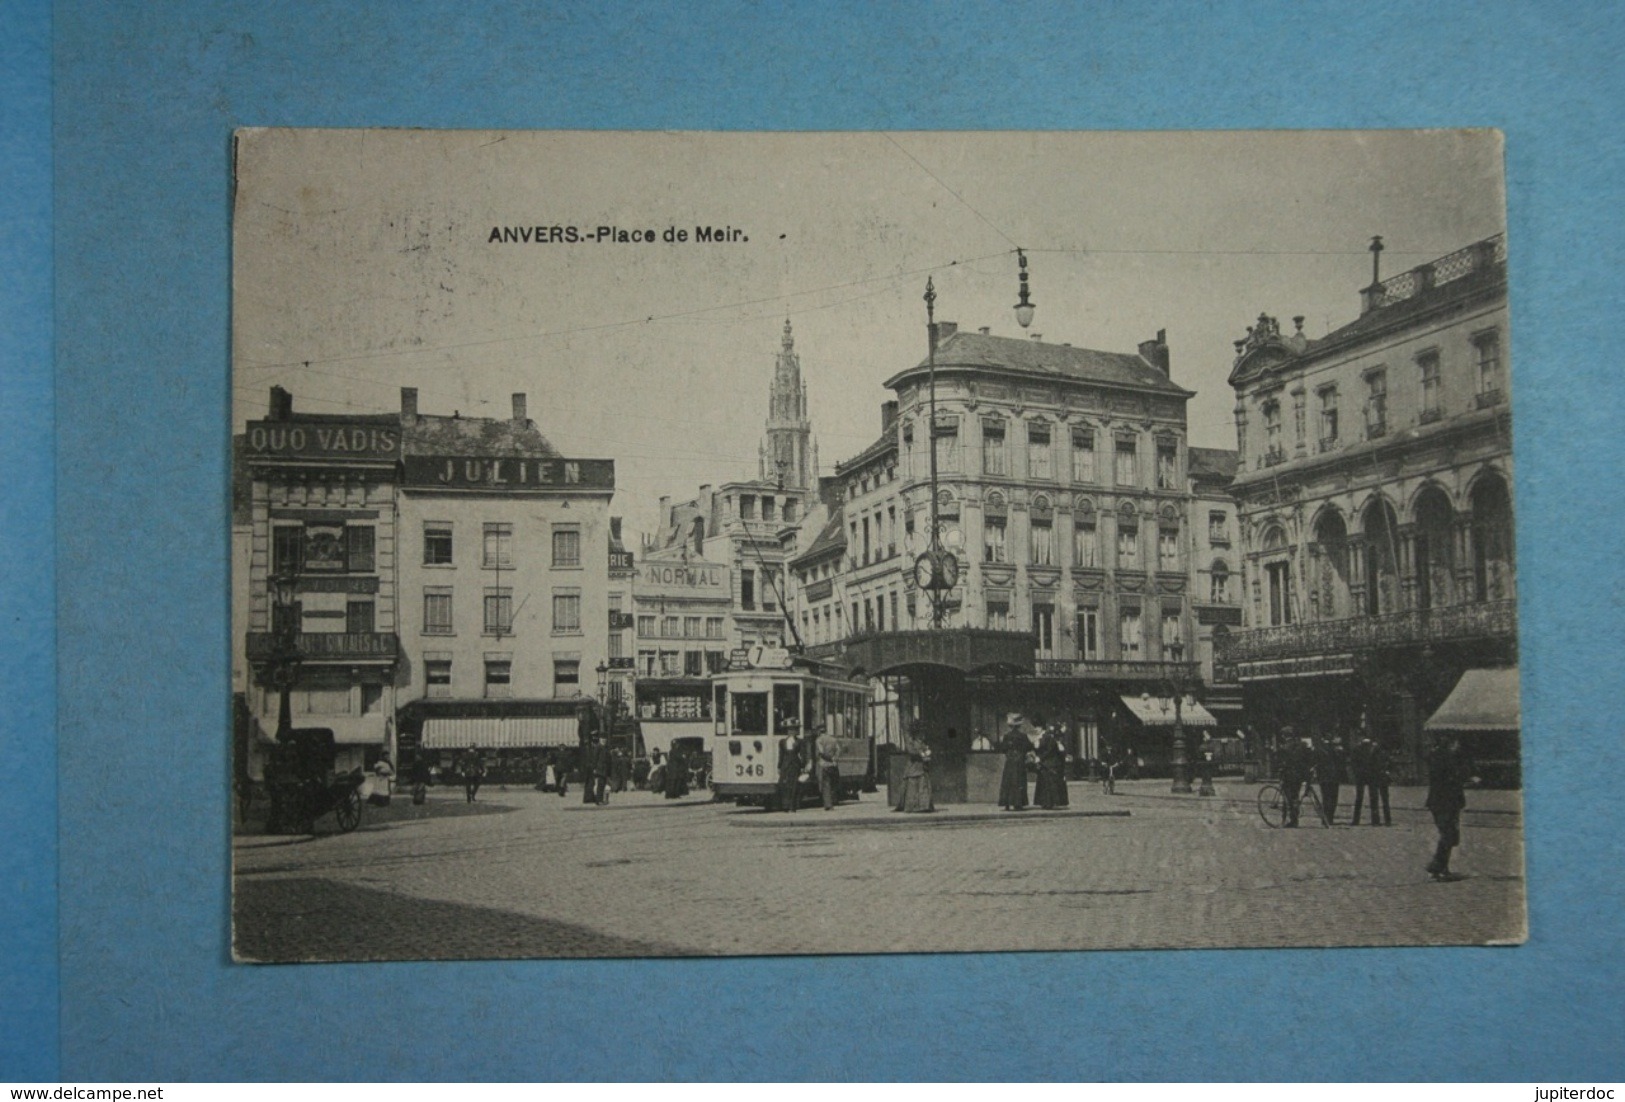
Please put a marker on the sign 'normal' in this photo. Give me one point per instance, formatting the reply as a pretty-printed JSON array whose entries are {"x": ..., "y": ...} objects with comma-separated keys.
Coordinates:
[{"x": 692, "y": 579}]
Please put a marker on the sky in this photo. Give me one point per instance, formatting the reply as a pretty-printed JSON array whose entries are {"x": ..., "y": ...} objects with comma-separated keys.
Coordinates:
[{"x": 363, "y": 262}]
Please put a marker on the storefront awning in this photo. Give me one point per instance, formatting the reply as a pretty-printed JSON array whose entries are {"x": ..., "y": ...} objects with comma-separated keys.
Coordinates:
[
  {"x": 499, "y": 732},
  {"x": 1158, "y": 711},
  {"x": 961, "y": 650},
  {"x": 1483, "y": 700}
]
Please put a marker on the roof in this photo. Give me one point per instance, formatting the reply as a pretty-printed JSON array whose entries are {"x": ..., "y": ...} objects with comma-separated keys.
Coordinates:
[
  {"x": 886, "y": 442},
  {"x": 473, "y": 436},
  {"x": 1059, "y": 361},
  {"x": 1213, "y": 464},
  {"x": 1483, "y": 700},
  {"x": 1478, "y": 269},
  {"x": 832, "y": 537},
  {"x": 1421, "y": 302}
]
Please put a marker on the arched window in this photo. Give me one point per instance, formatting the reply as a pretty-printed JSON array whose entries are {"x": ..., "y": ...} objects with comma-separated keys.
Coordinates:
[
  {"x": 1332, "y": 584},
  {"x": 1381, "y": 558},
  {"x": 1281, "y": 608},
  {"x": 1435, "y": 556},
  {"x": 1492, "y": 540}
]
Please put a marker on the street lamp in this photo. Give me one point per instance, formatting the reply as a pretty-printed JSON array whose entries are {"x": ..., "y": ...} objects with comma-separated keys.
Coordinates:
[
  {"x": 1024, "y": 306},
  {"x": 285, "y": 655},
  {"x": 1181, "y": 765},
  {"x": 603, "y": 697}
]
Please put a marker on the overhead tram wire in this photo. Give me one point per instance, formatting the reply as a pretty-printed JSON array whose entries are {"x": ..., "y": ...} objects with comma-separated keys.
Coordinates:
[{"x": 265, "y": 365}]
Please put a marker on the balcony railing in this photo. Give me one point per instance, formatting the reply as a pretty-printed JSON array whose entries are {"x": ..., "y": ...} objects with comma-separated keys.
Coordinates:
[
  {"x": 1102, "y": 670},
  {"x": 1488, "y": 398},
  {"x": 337, "y": 646},
  {"x": 1484, "y": 620},
  {"x": 1477, "y": 257}
]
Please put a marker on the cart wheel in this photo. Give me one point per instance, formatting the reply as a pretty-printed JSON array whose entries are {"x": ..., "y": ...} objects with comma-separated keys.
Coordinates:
[
  {"x": 1272, "y": 805},
  {"x": 348, "y": 813}
]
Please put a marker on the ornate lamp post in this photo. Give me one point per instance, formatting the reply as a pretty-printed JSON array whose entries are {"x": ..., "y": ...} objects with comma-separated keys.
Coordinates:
[
  {"x": 285, "y": 657},
  {"x": 603, "y": 700},
  {"x": 1181, "y": 765},
  {"x": 937, "y": 570}
]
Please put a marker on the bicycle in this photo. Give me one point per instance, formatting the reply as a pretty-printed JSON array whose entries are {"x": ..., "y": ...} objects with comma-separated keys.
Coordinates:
[{"x": 1273, "y": 807}]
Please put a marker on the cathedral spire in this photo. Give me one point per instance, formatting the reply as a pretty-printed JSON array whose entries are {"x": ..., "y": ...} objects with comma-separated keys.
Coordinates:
[{"x": 787, "y": 449}]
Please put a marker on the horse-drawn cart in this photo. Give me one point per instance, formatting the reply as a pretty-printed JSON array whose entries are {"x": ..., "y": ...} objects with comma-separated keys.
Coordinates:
[{"x": 303, "y": 786}]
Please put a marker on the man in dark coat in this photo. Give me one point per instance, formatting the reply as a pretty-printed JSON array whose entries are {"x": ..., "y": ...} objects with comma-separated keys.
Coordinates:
[
  {"x": 1294, "y": 772},
  {"x": 1381, "y": 764},
  {"x": 790, "y": 764},
  {"x": 825, "y": 750},
  {"x": 1016, "y": 745},
  {"x": 1360, "y": 773},
  {"x": 595, "y": 774},
  {"x": 472, "y": 770},
  {"x": 1330, "y": 765},
  {"x": 1447, "y": 782}
]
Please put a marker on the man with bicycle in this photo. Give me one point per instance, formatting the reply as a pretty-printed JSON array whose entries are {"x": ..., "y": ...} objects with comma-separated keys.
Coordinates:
[{"x": 1295, "y": 772}]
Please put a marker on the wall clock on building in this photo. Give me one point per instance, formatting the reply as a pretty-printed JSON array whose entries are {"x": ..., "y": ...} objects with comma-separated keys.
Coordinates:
[{"x": 936, "y": 570}]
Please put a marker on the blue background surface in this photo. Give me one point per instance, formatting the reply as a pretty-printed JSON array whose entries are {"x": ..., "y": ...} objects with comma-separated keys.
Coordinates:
[{"x": 146, "y": 97}]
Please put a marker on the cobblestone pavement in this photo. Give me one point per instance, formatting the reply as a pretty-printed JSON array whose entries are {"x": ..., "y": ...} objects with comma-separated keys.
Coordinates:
[{"x": 543, "y": 876}]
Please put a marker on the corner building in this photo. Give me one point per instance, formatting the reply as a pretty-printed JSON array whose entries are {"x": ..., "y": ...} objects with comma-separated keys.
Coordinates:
[
  {"x": 315, "y": 499},
  {"x": 1064, "y": 489},
  {"x": 1375, "y": 496}
]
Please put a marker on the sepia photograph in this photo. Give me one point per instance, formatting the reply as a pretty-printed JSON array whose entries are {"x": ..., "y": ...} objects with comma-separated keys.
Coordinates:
[{"x": 695, "y": 544}]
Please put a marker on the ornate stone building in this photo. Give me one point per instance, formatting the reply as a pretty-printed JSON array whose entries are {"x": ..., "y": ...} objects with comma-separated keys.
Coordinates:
[
  {"x": 1067, "y": 493},
  {"x": 1375, "y": 491}
]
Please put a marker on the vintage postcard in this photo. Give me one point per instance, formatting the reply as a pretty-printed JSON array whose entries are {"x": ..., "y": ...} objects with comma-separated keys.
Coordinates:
[{"x": 695, "y": 544}]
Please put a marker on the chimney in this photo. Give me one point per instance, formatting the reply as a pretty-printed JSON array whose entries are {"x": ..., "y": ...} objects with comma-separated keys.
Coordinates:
[
  {"x": 409, "y": 405},
  {"x": 946, "y": 329},
  {"x": 1036, "y": 336},
  {"x": 1155, "y": 352},
  {"x": 985, "y": 330},
  {"x": 281, "y": 405},
  {"x": 519, "y": 408},
  {"x": 888, "y": 415}
]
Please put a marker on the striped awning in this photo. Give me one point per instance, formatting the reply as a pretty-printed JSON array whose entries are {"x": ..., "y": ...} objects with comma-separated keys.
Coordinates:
[
  {"x": 1158, "y": 711},
  {"x": 1483, "y": 700},
  {"x": 499, "y": 732}
]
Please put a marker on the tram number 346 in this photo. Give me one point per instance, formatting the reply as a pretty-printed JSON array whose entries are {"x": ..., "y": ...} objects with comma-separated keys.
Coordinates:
[{"x": 743, "y": 770}]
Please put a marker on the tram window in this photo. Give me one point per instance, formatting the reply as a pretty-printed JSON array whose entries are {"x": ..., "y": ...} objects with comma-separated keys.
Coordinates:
[
  {"x": 809, "y": 717},
  {"x": 786, "y": 705},
  {"x": 750, "y": 714}
]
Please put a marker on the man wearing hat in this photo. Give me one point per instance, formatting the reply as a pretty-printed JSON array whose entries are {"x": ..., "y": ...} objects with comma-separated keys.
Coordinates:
[
  {"x": 790, "y": 763},
  {"x": 1294, "y": 772},
  {"x": 1017, "y": 745},
  {"x": 825, "y": 749}
]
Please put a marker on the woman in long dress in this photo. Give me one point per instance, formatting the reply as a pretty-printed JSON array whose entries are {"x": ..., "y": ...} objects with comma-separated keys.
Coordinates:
[
  {"x": 917, "y": 774},
  {"x": 1013, "y": 781},
  {"x": 1050, "y": 792}
]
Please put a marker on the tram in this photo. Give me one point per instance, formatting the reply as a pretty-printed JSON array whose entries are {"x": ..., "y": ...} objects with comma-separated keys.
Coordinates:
[{"x": 753, "y": 703}]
